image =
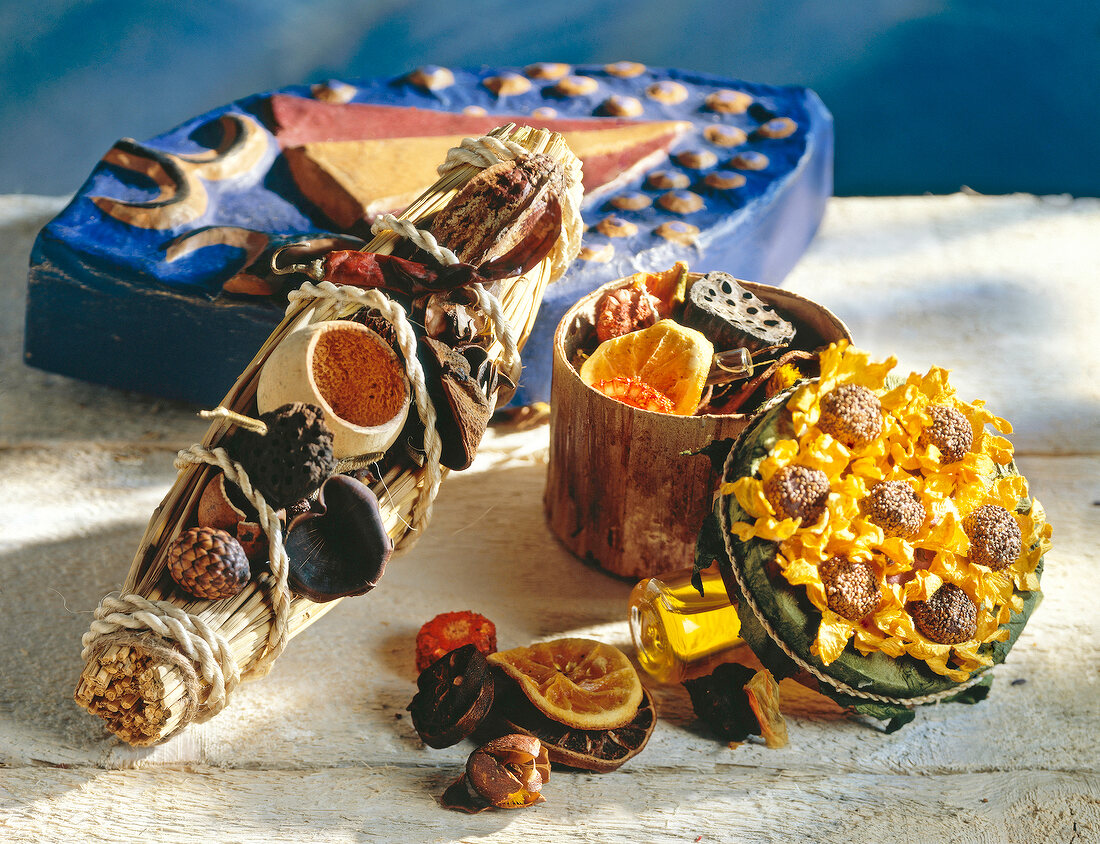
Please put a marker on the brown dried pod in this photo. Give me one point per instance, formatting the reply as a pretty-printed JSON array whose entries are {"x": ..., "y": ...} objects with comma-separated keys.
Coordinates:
[
  {"x": 600, "y": 751},
  {"x": 340, "y": 547},
  {"x": 454, "y": 694},
  {"x": 449, "y": 321},
  {"x": 223, "y": 506},
  {"x": 462, "y": 409},
  {"x": 501, "y": 208},
  {"x": 493, "y": 382},
  {"x": 506, "y": 773}
]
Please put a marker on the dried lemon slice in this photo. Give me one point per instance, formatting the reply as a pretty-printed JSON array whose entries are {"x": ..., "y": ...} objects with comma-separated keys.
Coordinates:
[
  {"x": 672, "y": 358},
  {"x": 578, "y": 682}
]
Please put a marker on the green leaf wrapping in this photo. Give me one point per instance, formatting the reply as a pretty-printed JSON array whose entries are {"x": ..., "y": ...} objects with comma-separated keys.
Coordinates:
[{"x": 793, "y": 617}]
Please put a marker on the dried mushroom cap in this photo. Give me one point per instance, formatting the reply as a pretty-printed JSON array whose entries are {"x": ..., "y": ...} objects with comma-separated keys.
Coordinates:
[
  {"x": 950, "y": 432},
  {"x": 462, "y": 409},
  {"x": 208, "y": 563},
  {"x": 994, "y": 537},
  {"x": 340, "y": 547},
  {"x": 852, "y": 414},
  {"x": 896, "y": 508},
  {"x": 798, "y": 492},
  {"x": 948, "y": 616},
  {"x": 851, "y": 588},
  {"x": 292, "y": 459}
]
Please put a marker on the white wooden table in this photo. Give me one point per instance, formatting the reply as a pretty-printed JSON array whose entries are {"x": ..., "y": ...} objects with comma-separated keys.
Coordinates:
[{"x": 1002, "y": 290}]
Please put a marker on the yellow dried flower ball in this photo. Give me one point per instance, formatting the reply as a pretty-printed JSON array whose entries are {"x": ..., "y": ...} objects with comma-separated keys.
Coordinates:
[
  {"x": 896, "y": 508},
  {"x": 948, "y": 616},
  {"x": 852, "y": 414},
  {"x": 798, "y": 492},
  {"x": 851, "y": 588},
  {"x": 994, "y": 537},
  {"x": 950, "y": 432}
]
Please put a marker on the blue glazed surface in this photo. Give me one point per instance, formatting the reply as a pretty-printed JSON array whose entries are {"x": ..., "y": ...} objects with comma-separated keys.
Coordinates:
[{"x": 108, "y": 304}]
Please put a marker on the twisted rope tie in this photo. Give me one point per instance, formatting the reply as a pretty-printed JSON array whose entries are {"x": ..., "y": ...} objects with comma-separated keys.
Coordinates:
[
  {"x": 393, "y": 313},
  {"x": 934, "y": 697}
]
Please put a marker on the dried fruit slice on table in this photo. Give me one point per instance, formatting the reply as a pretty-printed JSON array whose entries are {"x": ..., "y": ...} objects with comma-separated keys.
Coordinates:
[
  {"x": 671, "y": 358},
  {"x": 600, "y": 751},
  {"x": 454, "y": 694},
  {"x": 451, "y": 630},
  {"x": 579, "y": 682}
]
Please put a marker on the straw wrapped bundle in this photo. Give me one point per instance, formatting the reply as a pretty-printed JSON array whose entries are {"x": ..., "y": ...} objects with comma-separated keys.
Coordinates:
[{"x": 155, "y": 660}]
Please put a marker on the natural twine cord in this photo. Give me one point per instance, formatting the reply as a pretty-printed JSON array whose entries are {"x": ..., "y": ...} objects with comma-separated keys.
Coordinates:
[
  {"x": 748, "y": 599},
  {"x": 119, "y": 618}
]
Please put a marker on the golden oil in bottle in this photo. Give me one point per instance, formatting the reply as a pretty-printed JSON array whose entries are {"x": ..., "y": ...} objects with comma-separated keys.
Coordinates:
[{"x": 675, "y": 629}]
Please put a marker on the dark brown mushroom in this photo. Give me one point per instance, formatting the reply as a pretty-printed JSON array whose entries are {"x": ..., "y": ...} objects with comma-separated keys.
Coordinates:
[
  {"x": 461, "y": 407},
  {"x": 340, "y": 547}
]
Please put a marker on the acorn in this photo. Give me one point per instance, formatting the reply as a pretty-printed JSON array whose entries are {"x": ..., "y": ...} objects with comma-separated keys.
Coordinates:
[
  {"x": 994, "y": 537},
  {"x": 950, "y": 432},
  {"x": 852, "y": 414},
  {"x": 896, "y": 508},
  {"x": 851, "y": 588},
  {"x": 208, "y": 563},
  {"x": 798, "y": 492},
  {"x": 292, "y": 459},
  {"x": 948, "y": 616}
]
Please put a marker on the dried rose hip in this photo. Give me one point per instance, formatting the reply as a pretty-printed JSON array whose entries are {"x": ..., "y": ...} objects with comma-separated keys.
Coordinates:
[{"x": 451, "y": 630}]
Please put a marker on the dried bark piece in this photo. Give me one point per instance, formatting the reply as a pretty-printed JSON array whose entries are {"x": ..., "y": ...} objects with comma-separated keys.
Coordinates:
[
  {"x": 461, "y": 406},
  {"x": 340, "y": 547},
  {"x": 500, "y": 208},
  {"x": 588, "y": 750},
  {"x": 454, "y": 695}
]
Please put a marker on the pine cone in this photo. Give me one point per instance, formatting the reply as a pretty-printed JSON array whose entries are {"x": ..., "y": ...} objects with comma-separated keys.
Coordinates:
[
  {"x": 292, "y": 459},
  {"x": 208, "y": 563}
]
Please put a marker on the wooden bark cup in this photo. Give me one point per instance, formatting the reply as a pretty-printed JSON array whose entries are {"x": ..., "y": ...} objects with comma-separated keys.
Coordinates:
[
  {"x": 351, "y": 373},
  {"x": 621, "y": 491}
]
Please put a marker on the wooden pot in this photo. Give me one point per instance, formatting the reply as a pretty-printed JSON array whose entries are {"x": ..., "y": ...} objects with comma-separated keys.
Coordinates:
[{"x": 620, "y": 491}]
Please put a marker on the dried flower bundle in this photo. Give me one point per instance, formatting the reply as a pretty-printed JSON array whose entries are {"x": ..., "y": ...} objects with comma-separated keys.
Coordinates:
[{"x": 156, "y": 660}]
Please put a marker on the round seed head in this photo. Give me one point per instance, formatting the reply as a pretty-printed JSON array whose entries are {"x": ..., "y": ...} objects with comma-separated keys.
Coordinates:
[
  {"x": 950, "y": 432},
  {"x": 994, "y": 537},
  {"x": 208, "y": 563},
  {"x": 896, "y": 508},
  {"x": 851, "y": 588},
  {"x": 852, "y": 414},
  {"x": 798, "y": 492},
  {"x": 948, "y": 616}
]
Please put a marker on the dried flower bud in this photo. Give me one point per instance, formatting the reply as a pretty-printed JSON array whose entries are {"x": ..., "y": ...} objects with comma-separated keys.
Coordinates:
[
  {"x": 851, "y": 588},
  {"x": 896, "y": 508},
  {"x": 949, "y": 616},
  {"x": 852, "y": 414},
  {"x": 950, "y": 432},
  {"x": 798, "y": 492},
  {"x": 994, "y": 537}
]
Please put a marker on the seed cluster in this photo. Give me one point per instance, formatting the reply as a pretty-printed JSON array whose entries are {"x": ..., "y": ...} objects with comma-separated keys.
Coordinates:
[
  {"x": 851, "y": 588},
  {"x": 994, "y": 537},
  {"x": 950, "y": 432},
  {"x": 798, "y": 492},
  {"x": 292, "y": 458},
  {"x": 852, "y": 414},
  {"x": 949, "y": 616},
  {"x": 896, "y": 508}
]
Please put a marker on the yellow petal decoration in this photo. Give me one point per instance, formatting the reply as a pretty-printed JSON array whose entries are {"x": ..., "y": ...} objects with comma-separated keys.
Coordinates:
[{"x": 907, "y": 569}]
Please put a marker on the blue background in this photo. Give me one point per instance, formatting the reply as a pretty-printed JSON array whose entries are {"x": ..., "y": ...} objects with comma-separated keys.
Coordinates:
[{"x": 927, "y": 95}]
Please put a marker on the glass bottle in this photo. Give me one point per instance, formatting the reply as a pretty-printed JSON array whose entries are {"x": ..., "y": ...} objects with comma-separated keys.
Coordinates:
[{"x": 677, "y": 632}]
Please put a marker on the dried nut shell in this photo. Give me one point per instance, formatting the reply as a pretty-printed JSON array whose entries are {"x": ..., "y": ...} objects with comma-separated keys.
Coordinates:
[
  {"x": 462, "y": 409},
  {"x": 217, "y": 510},
  {"x": 454, "y": 694},
  {"x": 348, "y": 371},
  {"x": 600, "y": 751},
  {"x": 509, "y": 771},
  {"x": 340, "y": 547}
]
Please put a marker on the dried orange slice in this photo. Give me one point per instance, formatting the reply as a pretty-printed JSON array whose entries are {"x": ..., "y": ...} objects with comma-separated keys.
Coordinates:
[
  {"x": 636, "y": 393},
  {"x": 763, "y": 694},
  {"x": 671, "y": 358},
  {"x": 578, "y": 682}
]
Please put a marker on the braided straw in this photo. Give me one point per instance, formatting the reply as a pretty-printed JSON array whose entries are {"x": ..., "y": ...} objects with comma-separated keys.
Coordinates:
[{"x": 748, "y": 599}]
